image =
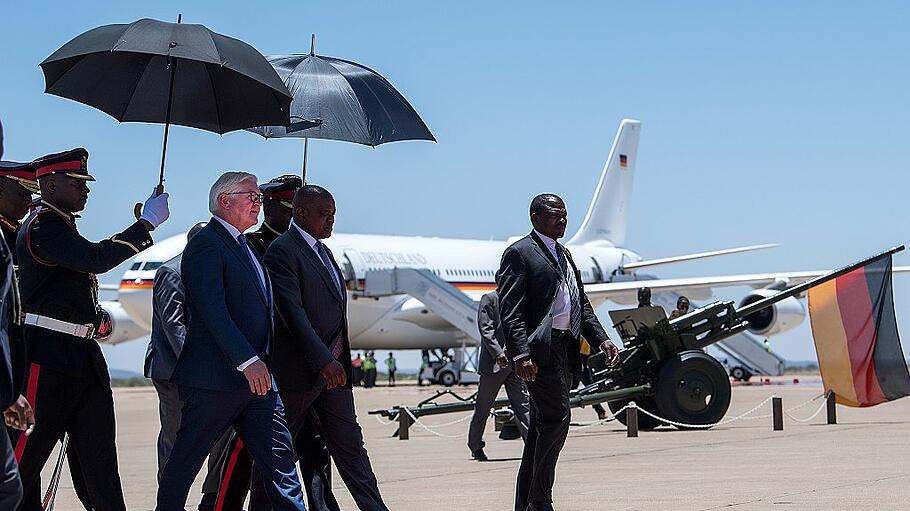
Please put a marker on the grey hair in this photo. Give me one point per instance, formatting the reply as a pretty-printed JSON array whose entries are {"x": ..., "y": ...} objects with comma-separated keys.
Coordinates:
[{"x": 225, "y": 183}]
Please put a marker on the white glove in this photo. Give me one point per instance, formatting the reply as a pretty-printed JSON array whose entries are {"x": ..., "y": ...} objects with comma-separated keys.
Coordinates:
[{"x": 155, "y": 211}]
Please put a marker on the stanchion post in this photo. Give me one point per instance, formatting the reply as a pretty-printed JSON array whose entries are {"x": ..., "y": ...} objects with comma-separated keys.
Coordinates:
[
  {"x": 404, "y": 422},
  {"x": 831, "y": 400},
  {"x": 777, "y": 408},
  {"x": 632, "y": 420}
]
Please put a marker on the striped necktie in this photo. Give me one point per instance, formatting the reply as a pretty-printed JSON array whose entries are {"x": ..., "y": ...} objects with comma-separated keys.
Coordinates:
[{"x": 574, "y": 295}]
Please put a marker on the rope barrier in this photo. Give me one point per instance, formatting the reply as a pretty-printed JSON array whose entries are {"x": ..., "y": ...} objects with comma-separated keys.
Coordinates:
[
  {"x": 430, "y": 430},
  {"x": 613, "y": 416},
  {"x": 702, "y": 426},
  {"x": 809, "y": 418}
]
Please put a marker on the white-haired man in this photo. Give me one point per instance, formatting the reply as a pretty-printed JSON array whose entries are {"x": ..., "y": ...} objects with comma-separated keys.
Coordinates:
[{"x": 221, "y": 374}]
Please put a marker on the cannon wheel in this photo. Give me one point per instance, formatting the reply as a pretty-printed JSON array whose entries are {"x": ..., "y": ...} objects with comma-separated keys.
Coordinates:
[
  {"x": 645, "y": 422},
  {"x": 693, "y": 388}
]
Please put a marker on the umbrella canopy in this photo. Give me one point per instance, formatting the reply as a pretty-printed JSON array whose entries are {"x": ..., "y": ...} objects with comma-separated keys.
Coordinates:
[
  {"x": 353, "y": 103},
  {"x": 153, "y": 71}
]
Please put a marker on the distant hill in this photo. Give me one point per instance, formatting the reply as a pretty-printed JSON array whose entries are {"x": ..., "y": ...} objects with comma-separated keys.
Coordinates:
[{"x": 123, "y": 374}]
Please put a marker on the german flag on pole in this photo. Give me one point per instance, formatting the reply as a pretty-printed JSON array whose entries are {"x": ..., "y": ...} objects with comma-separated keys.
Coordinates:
[{"x": 855, "y": 332}]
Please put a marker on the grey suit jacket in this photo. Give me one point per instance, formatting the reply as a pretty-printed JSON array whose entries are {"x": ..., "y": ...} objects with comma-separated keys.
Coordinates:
[
  {"x": 169, "y": 319},
  {"x": 492, "y": 338}
]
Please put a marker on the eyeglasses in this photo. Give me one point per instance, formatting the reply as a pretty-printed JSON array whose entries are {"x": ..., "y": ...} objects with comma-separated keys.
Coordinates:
[{"x": 255, "y": 198}]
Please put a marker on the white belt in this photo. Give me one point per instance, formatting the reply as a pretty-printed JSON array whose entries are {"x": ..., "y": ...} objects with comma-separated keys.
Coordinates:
[{"x": 83, "y": 331}]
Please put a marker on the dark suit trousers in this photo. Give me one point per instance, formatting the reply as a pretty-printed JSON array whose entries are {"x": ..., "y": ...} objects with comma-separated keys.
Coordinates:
[
  {"x": 84, "y": 408},
  {"x": 344, "y": 438},
  {"x": 487, "y": 390},
  {"x": 259, "y": 420},
  {"x": 10, "y": 486},
  {"x": 169, "y": 409},
  {"x": 548, "y": 428}
]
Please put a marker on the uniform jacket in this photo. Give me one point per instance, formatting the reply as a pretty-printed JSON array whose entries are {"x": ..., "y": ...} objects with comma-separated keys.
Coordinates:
[
  {"x": 310, "y": 313},
  {"x": 262, "y": 238},
  {"x": 57, "y": 268},
  {"x": 527, "y": 282},
  {"x": 230, "y": 316}
]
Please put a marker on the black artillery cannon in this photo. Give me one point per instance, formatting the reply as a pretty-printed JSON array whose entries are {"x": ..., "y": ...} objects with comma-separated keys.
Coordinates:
[{"x": 663, "y": 366}]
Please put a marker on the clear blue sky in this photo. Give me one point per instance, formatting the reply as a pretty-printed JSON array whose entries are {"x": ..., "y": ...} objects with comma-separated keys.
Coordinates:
[{"x": 762, "y": 122}]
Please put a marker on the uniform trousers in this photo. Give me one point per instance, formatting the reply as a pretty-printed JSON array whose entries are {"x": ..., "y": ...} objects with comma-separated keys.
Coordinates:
[
  {"x": 236, "y": 467},
  {"x": 550, "y": 415},
  {"x": 84, "y": 408}
]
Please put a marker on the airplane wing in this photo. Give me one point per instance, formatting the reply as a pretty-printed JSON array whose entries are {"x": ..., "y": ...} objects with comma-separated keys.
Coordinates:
[
  {"x": 108, "y": 287},
  {"x": 699, "y": 288}
]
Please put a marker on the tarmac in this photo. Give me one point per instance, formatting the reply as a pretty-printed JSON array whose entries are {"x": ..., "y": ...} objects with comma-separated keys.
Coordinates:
[{"x": 862, "y": 462}]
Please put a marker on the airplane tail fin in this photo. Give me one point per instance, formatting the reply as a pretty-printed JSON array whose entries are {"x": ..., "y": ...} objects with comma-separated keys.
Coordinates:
[{"x": 605, "y": 223}]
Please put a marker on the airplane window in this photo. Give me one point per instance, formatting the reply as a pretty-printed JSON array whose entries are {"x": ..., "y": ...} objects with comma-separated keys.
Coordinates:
[
  {"x": 152, "y": 265},
  {"x": 135, "y": 266}
]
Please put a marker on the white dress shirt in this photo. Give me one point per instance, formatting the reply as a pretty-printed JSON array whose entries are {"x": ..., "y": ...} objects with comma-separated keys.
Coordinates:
[
  {"x": 311, "y": 241},
  {"x": 562, "y": 307},
  {"x": 234, "y": 232}
]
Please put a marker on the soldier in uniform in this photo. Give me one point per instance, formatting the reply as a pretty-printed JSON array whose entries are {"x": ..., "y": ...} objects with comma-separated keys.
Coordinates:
[
  {"x": 311, "y": 451},
  {"x": 682, "y": 307},
  {"x": 277, "y": 205},
  {"x": 68, "y": 383}
]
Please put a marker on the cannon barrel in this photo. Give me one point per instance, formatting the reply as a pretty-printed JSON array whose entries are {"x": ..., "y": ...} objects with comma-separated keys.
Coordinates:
[{"x": 795, "y": 290}]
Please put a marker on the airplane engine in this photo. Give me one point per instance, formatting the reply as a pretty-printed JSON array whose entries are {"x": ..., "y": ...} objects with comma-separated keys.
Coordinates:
[
  {"x": 783, "y": 316},
  {"x": 124, "y": 328}
]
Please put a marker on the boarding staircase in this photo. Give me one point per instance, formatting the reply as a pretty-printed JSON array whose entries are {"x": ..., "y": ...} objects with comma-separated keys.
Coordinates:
[{"x": 440, "y": 297}]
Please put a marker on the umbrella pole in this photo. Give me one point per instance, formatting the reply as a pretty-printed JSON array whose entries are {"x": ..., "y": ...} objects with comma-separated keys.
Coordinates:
[
  {"x": 306, "y": 145},
  {"x": 172, "y": 64},
  {"x": 167, "y": 123}
]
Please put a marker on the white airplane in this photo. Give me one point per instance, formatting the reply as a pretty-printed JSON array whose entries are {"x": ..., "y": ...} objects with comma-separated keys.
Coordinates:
[{"x": 610, "y": 271}]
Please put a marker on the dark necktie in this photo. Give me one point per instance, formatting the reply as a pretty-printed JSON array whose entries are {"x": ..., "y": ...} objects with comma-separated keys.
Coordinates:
[
  {"x": 574, "y": 296},
  {"x": 244, "y": 247},
  {"x": 337, "y": 343},
  {"x": 327, "y": 261}
]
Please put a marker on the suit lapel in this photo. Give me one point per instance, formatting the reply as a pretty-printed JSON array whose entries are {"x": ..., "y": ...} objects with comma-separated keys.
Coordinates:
[
  {"x": 544, "y": 251},
  {"x": 309, "y": 254},
  {"x": 244, "y": 259}
]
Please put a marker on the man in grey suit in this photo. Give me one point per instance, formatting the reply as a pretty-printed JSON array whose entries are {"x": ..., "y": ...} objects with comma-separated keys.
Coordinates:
[
  {"x": 494, "y": 372},
  {"x": 165, "y": 344}
]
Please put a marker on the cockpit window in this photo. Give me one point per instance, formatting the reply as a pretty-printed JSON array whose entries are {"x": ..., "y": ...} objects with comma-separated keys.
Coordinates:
[
  {"x": 135, "y": 266},
  {"x": 152, "y": 265}
]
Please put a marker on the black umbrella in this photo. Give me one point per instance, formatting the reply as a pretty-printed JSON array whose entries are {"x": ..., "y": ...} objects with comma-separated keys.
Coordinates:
[
  {"x": 350, "y": 102},
  {"x": 171, "y": 73}
]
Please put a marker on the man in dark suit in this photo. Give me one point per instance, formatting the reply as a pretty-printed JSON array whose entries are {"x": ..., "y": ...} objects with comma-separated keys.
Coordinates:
[
  {"x": 165, "y": 345},
  {"x": 221, "y": 373},
  {"x": 312, "y": 350},
  {"x": 544, "y": 311},
  {"x": 494, "y": 371},
  {"x": 312, "y": 454}
]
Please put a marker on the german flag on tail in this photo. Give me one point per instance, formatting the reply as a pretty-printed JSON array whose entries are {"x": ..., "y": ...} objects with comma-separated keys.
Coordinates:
[{"x": 856, "y": 338}]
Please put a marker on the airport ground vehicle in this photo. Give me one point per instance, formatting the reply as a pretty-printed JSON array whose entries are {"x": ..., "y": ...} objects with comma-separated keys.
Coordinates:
[{"x": 663, "y": 366}]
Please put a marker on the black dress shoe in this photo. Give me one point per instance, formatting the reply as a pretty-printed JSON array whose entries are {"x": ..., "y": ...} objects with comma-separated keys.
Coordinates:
[
  {"x": 479, "y": 455},
  {"x": 540, "y": 506}
]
